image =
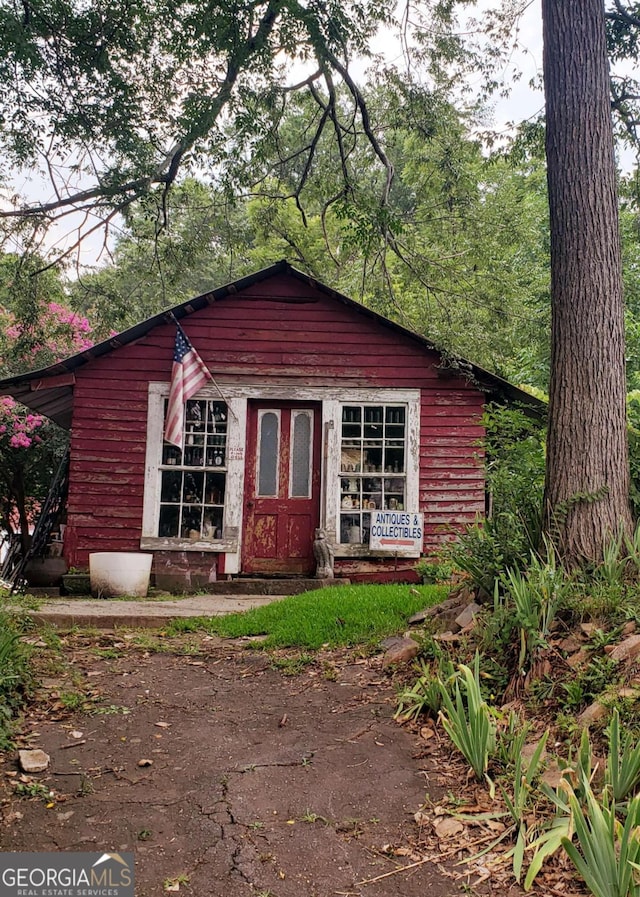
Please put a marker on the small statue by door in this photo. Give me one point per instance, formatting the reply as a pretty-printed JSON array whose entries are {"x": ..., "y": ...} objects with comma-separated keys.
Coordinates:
[{"x": 323, "y": 553}]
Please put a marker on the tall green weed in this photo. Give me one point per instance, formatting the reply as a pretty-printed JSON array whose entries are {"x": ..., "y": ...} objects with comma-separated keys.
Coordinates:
[{"x": 15, "y": 674}]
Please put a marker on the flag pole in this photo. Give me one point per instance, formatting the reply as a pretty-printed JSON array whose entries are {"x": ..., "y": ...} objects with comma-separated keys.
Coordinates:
[{"x": 213, "y": 379}]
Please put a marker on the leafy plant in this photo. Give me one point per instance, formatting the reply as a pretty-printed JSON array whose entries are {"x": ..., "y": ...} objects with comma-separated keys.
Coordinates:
[
  {"x": 596, "y": 676},
  {"x": 519, "y": 804},
  {"x": 608, "y": 852},
  {"x": 575, "y": 696},
  {"x": 623, "y": 761},
  {"x": 424, "y": 696},
  {"x": 537, "y": 595},
  {"x": 15, "y": 674},
  {"x": 432, "y": 570},
  {"x": 614, "y": 562},
  {"x": 468, "y": 721},
  {"x": 515, "y": 479},
  {"x": 545, "y": 845},
  {"x": 632, "y": 545},
  {"x": 33, "y": 790}
]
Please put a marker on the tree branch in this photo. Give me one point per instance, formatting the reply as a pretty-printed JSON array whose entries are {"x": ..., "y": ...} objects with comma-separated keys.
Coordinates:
[{"x": 622, "y": 14}]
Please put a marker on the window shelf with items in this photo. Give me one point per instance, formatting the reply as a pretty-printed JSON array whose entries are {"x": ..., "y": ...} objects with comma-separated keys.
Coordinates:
[
  {"x": 372, "y": 466},
  {"x": 193, "y": 481}
]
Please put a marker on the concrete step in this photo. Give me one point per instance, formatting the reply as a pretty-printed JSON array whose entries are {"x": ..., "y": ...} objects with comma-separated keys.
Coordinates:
[
  {"x": 117, "y": 614},
  {"x": 279, "y": 586}
]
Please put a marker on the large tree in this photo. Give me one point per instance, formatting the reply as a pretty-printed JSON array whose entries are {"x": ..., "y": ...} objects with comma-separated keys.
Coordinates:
[{"x": 587, "y": 485}]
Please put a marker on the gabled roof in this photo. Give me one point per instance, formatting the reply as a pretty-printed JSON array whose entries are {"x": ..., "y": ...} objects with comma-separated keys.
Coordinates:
[{"x": 49, "y": 391}]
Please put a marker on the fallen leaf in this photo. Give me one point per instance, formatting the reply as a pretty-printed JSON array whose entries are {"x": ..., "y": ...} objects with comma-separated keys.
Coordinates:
[
  {"x": 13, "y": 816},
  {"x": 446, "y": 827},
  {"x": 427, "y": 732},
  {"x": 421, "y": 817},
  {"x": 163, "y": 725}
]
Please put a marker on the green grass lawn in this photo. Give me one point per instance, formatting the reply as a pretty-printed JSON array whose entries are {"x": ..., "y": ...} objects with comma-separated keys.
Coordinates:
[{"x": 336, "y": 616}]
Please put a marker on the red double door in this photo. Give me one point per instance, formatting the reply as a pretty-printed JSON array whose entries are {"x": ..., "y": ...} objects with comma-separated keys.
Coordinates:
[{"x": 282, "y": 487}]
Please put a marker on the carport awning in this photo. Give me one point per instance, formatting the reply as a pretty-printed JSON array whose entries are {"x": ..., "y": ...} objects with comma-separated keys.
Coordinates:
[{"x": 51, "y": 396}]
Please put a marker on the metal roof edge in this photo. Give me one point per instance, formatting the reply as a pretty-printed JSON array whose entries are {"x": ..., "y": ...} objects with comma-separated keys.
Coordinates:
[{"x": 485, "y": 380}]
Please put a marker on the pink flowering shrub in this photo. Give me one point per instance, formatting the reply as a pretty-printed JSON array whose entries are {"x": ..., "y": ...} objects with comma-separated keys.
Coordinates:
[
  {"x": 18, "y": 426},
  {"x": 30, "y": 445},
  {"x": 57, "y": 334}
]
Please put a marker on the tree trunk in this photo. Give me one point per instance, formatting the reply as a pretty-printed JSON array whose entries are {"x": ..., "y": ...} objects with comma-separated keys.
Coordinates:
[{"x": 587, "y": 484}]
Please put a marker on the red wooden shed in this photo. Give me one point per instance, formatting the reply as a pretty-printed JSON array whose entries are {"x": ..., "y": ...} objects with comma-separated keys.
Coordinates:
[{"x": 320, "y": 413}]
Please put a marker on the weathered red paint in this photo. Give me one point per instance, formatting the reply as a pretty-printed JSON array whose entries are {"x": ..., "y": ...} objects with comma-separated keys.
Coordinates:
[
  {"x": 279, "y": 530},
  {"x": 283, "y": 330}
]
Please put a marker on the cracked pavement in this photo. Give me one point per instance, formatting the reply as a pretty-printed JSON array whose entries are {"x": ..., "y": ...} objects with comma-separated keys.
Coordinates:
[{"x": 259, "y": 783}]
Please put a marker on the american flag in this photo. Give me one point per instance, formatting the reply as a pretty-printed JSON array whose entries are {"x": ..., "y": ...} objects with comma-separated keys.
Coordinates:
[{"x": 188, "y": 375}]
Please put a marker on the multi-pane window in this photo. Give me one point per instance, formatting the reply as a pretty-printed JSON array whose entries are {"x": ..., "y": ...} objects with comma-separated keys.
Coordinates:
[
  {"x": 193, "y": 481},
  {"x": 373, "y": 466}
]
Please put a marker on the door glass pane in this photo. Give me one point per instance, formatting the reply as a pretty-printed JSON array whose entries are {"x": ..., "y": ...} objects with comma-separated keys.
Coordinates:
[
  {"x": 301, "y": 454},
  {"x": 268, "y": 454}
]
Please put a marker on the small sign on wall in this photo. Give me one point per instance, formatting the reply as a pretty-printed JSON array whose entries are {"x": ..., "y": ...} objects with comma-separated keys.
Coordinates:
[{"x": 398, "y": 531}]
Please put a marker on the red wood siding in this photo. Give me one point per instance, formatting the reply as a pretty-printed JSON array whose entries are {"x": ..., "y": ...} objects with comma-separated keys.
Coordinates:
[{"x": 278, "y": 329}]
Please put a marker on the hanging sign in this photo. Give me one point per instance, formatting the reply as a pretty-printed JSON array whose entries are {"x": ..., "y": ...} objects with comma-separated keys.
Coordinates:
[{"x": 398, "y": 531}]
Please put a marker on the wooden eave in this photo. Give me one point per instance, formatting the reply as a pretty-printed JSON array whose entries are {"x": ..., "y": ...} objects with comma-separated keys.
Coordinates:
[{"x": 49, "y": 391}]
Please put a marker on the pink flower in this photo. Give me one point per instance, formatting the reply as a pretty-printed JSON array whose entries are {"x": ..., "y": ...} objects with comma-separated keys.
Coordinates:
[{"x": 20, "y": 440}]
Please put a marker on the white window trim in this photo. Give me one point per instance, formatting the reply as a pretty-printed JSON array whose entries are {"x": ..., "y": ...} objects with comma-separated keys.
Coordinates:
[
  {"x": 234, "y": 486},
  {"x": 295, "y": 413},
  {"x": 411, "y": 399},
  {"x": 237, "y": 395}
]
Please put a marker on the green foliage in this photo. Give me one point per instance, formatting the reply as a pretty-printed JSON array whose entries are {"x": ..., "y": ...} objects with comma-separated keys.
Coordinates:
[
  {"x": 623, "y": 761},
  {"x": 338, "y": 615},
  {"x": 612, "y": 567},
  {"x": 15, "y": 674},
  {"x": 496, "y": 628},
  {"x": 607, "y": 851},
  {"x": 423, "y": 697},
  {"x": 434, "y": 571},
  {"x": 519, "y": 803},
  {"x": 537, "y": 596},
  {"x": 468, "y": 721},
  {"x": 515, "y": 478}
]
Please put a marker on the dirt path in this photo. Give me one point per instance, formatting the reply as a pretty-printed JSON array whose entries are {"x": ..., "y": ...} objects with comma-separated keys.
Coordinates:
[{"x": 260, "y": 784}]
